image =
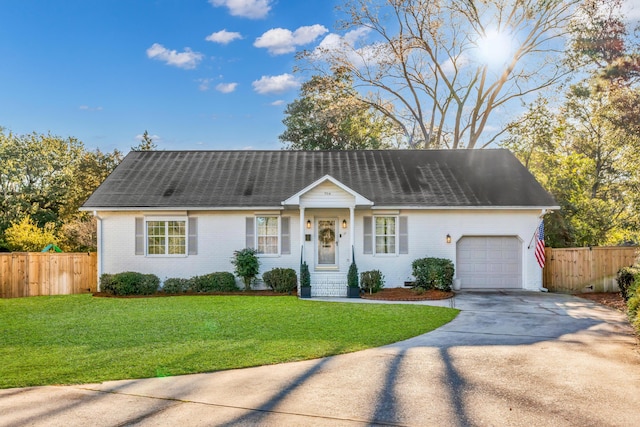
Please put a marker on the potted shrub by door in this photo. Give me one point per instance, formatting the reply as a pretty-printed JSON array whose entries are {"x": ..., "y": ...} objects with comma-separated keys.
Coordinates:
[
  {"x": 305, "y": 281},
  {"x": 353, "y": 289}
]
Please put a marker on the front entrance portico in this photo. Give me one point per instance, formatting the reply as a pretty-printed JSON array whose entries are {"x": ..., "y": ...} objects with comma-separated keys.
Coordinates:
[{"x": 327, "y": 222}]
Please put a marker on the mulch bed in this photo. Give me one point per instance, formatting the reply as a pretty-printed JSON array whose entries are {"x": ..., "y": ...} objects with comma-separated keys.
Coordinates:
[
  {"x": 610, "y": 299},
  {"x": 405, "y": 294},
  {"x": 264, "y": 293}
]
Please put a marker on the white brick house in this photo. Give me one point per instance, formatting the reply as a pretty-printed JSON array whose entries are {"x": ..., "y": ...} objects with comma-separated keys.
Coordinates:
[{"x": 183, "y": 213}]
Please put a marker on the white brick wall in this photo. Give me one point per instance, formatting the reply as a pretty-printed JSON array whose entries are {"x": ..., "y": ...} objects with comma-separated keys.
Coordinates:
[{"x": 220, "y": 233}]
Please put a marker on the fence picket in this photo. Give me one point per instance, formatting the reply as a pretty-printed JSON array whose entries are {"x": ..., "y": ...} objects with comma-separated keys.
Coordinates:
[
  {"x": 586, "y": 269},
  {"x": 34, "y": 273}
]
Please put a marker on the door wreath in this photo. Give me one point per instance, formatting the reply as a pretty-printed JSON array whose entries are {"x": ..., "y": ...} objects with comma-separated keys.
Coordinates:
[{"x": 327, "y": 236}]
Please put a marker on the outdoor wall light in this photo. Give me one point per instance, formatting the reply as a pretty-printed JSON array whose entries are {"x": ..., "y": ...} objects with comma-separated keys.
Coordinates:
[
  {"x": 448, "y": 238},
  {"x": 344, "y": 223},
  {"x": 308, "y": 224}
]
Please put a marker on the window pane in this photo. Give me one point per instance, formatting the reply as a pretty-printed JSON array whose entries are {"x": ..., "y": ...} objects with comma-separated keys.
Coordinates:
[
  {"x": 268, "y": 245},
  {"x": 177, "y": 245},
  {"x": 386, "y": 235},
  {"x": 177, "y": 228},
  {"x": 166, "y": 237},
  {"x": 267, "y": 234},
  {"x": 155, "y": 238}
]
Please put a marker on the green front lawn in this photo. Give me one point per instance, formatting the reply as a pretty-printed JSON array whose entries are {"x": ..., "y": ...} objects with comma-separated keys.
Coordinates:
[{"x": 81, "y": 339}]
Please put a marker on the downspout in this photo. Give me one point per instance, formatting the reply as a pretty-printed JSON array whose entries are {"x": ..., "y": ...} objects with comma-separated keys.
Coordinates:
[{"x": 99, "y": 247}]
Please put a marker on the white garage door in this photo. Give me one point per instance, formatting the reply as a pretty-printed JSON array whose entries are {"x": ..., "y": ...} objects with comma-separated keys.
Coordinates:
[{"x": 489, "y": 262}]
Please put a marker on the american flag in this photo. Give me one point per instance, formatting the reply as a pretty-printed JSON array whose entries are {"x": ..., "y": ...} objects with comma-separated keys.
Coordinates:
[{"x": 540, "y": 245}]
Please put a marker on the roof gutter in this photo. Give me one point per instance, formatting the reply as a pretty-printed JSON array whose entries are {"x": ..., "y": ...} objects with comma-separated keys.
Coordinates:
[{"x": 546, "y": 209}]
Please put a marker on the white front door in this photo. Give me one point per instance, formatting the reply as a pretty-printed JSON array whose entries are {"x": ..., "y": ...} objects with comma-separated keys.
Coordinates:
[{"x": 326, "y": 238}]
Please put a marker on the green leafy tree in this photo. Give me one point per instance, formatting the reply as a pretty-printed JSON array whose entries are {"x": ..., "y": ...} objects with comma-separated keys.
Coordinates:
[
  {"x": 586, "y": 151},
  {"x": 329, "y": 116},
  {"x": 47, "y": 178},
  {"x": 586, "y": 163},
  {"x": 36, "y": 173},
  {"x": 26, "y": 236},
  {"x": 91, "y": 168}
]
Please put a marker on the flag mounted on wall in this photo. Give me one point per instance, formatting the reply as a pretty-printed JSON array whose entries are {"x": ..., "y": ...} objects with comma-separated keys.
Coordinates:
[{"x": 540, "y": 256}]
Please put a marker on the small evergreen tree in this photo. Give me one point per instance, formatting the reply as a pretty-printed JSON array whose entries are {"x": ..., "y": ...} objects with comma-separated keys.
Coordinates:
[{"x": 247, "y": 265}]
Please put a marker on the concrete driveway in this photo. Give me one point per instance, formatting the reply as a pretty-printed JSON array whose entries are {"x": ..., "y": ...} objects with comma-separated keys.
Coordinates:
[{"x": 508, "y": 359}]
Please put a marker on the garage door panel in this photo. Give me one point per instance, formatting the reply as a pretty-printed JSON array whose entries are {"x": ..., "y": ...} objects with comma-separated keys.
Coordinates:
[
  {"x": 495, "y": 268},
  {"x": 489, "y": 262}
]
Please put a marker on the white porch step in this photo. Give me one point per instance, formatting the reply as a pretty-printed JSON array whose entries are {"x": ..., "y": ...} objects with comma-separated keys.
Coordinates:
[{"x": 328, "y": 284}]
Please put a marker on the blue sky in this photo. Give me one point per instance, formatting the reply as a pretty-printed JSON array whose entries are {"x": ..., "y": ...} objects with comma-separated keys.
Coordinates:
[{"x": 197, "y": 74}]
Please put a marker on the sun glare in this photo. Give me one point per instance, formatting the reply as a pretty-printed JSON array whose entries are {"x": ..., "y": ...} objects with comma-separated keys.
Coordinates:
[{"x": 495, "y": 48}]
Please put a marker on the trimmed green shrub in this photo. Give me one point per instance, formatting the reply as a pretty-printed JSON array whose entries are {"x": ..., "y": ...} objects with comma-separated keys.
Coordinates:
[
  {"x": 633, "y": 303},
  {"x": 352, "y": 276},
  {"x": 371, "y": 281},
  {"x": 214, "y": 282},
  {"x": 282, "y": 280},
  {"x": 177, "y": 285},
  {"x": 305, "y": 276},
  {"x": 625, "y": 279},
  {"x": 247, "y": 265},
  {"x": 129, "y": 283},
  {"x": 433, "y": 273}
]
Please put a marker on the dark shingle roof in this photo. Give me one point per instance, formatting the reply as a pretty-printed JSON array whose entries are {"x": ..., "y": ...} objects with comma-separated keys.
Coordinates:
[{"x": 227, "y": 179}]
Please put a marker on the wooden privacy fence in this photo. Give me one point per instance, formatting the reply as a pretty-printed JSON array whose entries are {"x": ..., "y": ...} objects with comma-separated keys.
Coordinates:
[
  {"x": 24, "y": 274},
  {"x": 586, "y": 269}
]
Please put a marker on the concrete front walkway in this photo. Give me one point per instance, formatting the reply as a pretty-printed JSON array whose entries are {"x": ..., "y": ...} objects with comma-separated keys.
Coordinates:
[{"x": 508, "y": 359}]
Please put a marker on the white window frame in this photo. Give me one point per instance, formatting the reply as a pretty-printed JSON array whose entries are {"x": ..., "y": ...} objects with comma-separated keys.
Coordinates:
[
  {"x": 277, "y": 236},
  {"x": 396, "y": 235},
  {"x": 166, "y": 221}
]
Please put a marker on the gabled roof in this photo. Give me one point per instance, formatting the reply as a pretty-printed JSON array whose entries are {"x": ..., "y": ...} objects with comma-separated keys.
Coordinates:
[
  {"x": 245, "y": 179},
  {"x": 359, "y": 199}
]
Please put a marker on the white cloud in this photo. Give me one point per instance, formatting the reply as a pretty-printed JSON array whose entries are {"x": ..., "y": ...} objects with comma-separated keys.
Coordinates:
[
  {"x": 223, "y": 37},
  {"x": 154, "y": 138},
  {"x": 87, "y": 108},
  {"x": 280, "y": 40},
  {"x": 631, "y": 10},
  {"x": 187, "y": 59},
  {"x": 336, "y": 42},
  {"x": 204, "y": 84},
  {"x": 253, "y": 9},
  {"x": 278, "y": 102},
  {"x": 275, "y": 84},
  {"x": 452, "y": 65},
  {"x": 347, "y": 47},
  {"x": 226, "y": 87}
]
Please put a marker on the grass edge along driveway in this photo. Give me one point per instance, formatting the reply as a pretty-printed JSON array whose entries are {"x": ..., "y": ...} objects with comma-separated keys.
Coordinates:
[{"x": 81, "y": 339}]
